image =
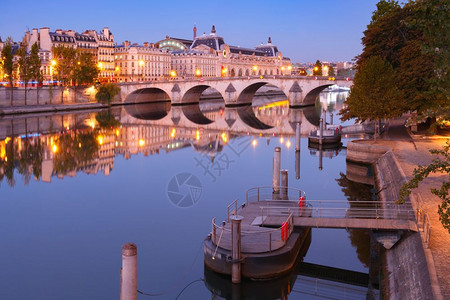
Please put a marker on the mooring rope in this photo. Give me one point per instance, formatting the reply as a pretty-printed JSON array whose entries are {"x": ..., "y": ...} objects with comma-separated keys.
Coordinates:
[
  {"x": 177, "y": 283},
  {"x": 217, "y": 246}
]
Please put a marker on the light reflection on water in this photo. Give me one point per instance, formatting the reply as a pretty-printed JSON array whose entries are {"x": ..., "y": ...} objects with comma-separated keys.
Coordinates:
[{"x": 76, "y": 187}]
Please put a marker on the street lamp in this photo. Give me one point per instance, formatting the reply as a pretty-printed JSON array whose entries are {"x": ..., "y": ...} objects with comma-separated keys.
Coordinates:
[
  {"x": 198, "y": 72},
  {"x": 173, "y": 73}
]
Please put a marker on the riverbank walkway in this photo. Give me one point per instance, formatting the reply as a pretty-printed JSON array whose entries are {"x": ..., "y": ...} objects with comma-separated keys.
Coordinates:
[
  {"x": 410, "y": 151},
  {"x": 33, "y": 109}
]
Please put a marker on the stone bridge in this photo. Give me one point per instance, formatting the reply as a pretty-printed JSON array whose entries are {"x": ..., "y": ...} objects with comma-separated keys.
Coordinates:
[{"x": 236, "y": 91}]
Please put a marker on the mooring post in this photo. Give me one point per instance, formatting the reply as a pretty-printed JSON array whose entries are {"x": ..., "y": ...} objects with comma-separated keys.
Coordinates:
[
  {"x": 297, "y": 137},
  {"x": 276, "y": 170},
  {"x": 297, "y": 165},
  {"x": 128, "y": 282},
  {"x": 236, "y": 248},
  {"x": 284, "y": 184}
]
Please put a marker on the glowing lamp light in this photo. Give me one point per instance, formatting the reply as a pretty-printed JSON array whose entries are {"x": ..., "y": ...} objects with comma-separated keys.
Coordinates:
[
  {"x": 282, "y": 68},
  {"x": 224, "y": 137},
  {"x": 100, "y": 65},
  {"x": 198, "y": 72},
  {"x": 141, "y": 63},
  {"x": 141, "y": 142},
  {"x": 173, "y": 132},
  {"x": 288, "y": 144},
  {"x": 54, "y": 148},
  {"x": 281, "y": 140},
  {"x": 117, "y": 132},
  {"x": 289, "y": 68},
  {"x": 173, "y": 73},
  {"x": 79, "y": 145},
  {"x": 100, "y": 140},
  {"x": 53, "y": 62},
  {"x": 255, "y": 68},
  {"x": 316, "y": 68},
  {"x": 254, "y": 143},
  {"x": 117, "y": 69},
  {"x": 197, "y": 135}
]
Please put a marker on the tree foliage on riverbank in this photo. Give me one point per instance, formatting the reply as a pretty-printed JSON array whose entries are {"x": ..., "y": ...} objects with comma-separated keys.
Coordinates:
[
  {"x": 438, "y": 165},
  {"x": 413, "y": 38},
  {"x": 106, "y": 92}
]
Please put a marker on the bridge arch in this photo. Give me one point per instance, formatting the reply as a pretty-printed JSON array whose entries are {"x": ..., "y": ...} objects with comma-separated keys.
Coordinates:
[
  {"x": 191, "y": 104},
  {"x": 312, "y": 95},
  {"x": 247, "y": 94},
  {"x": 147, "y": 95}
]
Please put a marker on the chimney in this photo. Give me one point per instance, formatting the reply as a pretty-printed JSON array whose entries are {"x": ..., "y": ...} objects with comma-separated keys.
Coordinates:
[
  {"x": 106, "y": 31},
  {"x": 146, "y": 44},
  {"x": 126, "y": 44},
  {"x": 213, "y": 30},
  {"x": 58, "y": 31},
  {"x": 70, "y": 32},
  {"x": 195, "y": 31},
  {"x": 270, "y": 41}
]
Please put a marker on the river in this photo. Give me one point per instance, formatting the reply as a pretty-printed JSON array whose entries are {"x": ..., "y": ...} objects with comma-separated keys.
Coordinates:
[{"x": 75, "y": 187}]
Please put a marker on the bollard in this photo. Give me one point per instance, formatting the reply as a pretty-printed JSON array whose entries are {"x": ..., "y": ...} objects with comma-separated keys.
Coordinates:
[
  {"x": 284, "y": 184},
  {"x": 331, "y": 118},
  {"x": 276, "y": 170},
  {"x": 297, "y": 137},
  {"x": 128, "y": 283},
  {"x": 236, "y": 248},
  {"x": 297, "y": 165}
]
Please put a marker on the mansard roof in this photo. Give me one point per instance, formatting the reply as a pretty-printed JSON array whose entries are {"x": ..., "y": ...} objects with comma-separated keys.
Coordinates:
[{"x": 62, "y": 38}]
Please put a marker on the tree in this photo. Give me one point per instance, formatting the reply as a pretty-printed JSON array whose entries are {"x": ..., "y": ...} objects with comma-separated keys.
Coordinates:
[
  {"x": 24, "y": 66},
  {"x": 374, "y": 94},
  {"x": 35, "y": 68},
  {"x": 422, "y": 172},
  {"x": 65, "y": 61},
  {"x": 414, "y": 39},
  {"x": 331, "y": 71},
  {"x": 85, "y": 70},
  {"x": 8, "y": 66},
  {"x": 106, "y": 92},
  {"x": 317, "y": 71}
]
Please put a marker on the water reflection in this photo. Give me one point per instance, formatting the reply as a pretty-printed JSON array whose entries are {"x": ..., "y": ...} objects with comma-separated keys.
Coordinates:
[{"x": 100, "y": 142}]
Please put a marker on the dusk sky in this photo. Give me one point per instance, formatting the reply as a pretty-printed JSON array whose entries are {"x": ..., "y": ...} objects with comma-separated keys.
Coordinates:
[{"x": 304, "y": 30}]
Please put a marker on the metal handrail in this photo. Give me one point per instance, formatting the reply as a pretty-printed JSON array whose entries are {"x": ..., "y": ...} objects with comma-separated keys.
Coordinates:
[
  {"x": 271, "y": 232},
  {"x": 423, "y": 220},
  {"x": 266, "y": 191},
  {"x": 233, "y": 212},
  {"x": 369, "y": 213}
]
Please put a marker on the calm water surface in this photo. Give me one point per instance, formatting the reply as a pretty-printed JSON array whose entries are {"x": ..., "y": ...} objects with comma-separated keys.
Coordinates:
[{"x": 75, "y": 187}]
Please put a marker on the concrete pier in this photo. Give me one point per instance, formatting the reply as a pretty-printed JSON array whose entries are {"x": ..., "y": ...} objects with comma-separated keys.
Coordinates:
[
  {"x": 276, "y": 170},
  {"x": 236, "y": 248},
  {"x": 128, "y": 282}
]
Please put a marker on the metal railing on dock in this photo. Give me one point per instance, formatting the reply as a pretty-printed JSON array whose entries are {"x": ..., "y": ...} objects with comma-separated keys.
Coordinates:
[
  {"x": 254, "y": 238},
  {"x": 265, "y": 193}
]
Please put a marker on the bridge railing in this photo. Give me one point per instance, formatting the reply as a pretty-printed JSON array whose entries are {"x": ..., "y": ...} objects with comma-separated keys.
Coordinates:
[{"x": 337, "y": 209}]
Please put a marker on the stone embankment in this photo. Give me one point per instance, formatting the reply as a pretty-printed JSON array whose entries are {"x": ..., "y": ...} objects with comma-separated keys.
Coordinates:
[{"x": 407, "y": 264}]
